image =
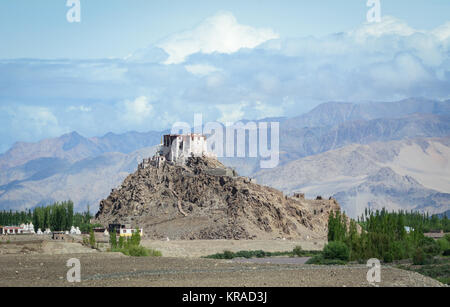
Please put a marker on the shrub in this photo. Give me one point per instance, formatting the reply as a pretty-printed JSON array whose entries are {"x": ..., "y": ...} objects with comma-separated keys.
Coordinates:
[
  {"x": 154, "y": 253},
  {"x": 421, "y": 258},
  {"x": 443, "y": 244},
  {"x": 260, "y": 254},
  {"x": 399, "y": 250},
  {"x": 298, "y": 251},
  {"x": 388, "y": 257},
  {"x": 136, "y": 251},
  {"x": 228, "y": 255},
  {"x": 447, "y": 237},
  {"x": 430, "y": 246},
  {"x": 319, "y": 259},
  {"x": 240, "y": 254},
  {"x": 446, "y": 252},
  {"x": 336, "y": 250}
]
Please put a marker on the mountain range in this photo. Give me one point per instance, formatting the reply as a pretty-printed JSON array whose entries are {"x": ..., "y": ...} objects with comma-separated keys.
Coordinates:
[{"x": 377, "y": 154}]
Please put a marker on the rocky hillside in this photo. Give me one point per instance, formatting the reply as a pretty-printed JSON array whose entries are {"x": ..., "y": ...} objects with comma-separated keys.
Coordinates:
[{"x": 198, "y": 201}]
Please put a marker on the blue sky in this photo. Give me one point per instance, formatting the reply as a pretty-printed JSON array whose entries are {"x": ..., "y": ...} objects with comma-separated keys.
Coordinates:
[
  {"x": 115, "y": 28},
  {"x": 142, "y": 65}
]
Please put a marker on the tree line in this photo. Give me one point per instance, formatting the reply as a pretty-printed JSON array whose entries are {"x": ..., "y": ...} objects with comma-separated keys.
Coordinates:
[
  {"x": 382, "y": 235},
  {"x": 414, "y": 219},
  {"x": 59, "y": 216}
]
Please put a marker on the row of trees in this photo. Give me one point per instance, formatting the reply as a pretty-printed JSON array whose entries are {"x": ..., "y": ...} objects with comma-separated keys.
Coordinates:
[
  {"x": 417, "y": 220},
  {"x": 15, "y": 218},
  {"x": 59, "y": 216},
  {"x": 381, "y": 235}
]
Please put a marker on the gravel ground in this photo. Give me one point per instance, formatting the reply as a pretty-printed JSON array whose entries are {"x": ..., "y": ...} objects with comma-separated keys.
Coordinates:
[{"x": 112, "y": 269}]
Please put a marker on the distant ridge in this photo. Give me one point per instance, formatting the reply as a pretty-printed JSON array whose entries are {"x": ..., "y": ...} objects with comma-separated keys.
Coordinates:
[{"x": 71, "y": 165}]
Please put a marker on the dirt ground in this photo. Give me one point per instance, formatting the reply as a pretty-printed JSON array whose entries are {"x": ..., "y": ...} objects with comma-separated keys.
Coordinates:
[
  {"x": 111, "y": 269},
  {"x": 42, "y": 263}
]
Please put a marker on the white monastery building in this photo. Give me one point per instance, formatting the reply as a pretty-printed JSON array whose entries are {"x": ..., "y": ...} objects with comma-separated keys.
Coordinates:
[{"x": 178, "y": 147}]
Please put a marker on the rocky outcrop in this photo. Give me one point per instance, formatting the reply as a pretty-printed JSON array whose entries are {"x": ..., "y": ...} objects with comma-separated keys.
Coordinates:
[{"x": 197, "y": 201}]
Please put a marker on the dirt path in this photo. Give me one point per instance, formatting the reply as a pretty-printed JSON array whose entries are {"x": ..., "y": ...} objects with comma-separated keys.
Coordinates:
[
  {"x": 274, "y": 260},
  {"x": 110, "y": 269}
]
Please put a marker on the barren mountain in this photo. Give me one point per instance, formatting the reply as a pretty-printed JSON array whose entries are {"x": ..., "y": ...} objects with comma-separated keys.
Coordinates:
[
  {"x": 336, "y": 113},
  {"x": 47, "y": 180},
  {"x": 298, "y": 142},
  {"x": 202, "y": 200},
  {"x": 73, "y": 147},
  {"x": 408, "y": 174},
  {"x": 386, "y": 189}
]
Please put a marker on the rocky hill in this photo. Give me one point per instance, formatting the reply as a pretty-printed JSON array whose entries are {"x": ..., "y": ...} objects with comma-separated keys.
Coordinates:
[{"x": 203, "y": 200}]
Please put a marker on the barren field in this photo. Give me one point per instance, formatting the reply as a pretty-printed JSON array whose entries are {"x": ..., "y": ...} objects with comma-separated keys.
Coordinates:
[
  {"x": 111, "y": 269},
  {"x": 25, "y": 262}
]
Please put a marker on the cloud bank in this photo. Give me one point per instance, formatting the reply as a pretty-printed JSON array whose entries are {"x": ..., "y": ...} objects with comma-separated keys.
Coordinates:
[
  {"x": 225, "y": 70},
  {"x": 220, "y": 33}
]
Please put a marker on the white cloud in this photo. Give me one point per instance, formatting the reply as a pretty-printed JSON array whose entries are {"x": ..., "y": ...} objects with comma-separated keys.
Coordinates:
[
  {"x": 80, "y": 109},
  {"x": 231, "y": 112},
  {"x": 388, "y": 26},
  {"x": 276, "y": 77},
  {"x": 27, "y": 123},
  {"x": 137, "y": 111},
  {"x": 201, "y": 69},
  {"x": 219, "y": 33},
  {"x": 442, "y": 32}
]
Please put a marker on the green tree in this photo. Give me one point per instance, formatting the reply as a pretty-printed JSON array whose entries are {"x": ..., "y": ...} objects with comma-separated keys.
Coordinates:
[
  {"x": 113, "y": 239},
  {"x": 92, "y": 238}
]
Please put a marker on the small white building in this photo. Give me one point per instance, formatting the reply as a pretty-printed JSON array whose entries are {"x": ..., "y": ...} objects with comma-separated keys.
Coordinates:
[
  {"x": 28, "y": 228},
  {"x": 15, "y": 230},
  {"x": 75, "y": 231},
  {"x": 11, "y": 230},
  {"x": 128, "y": 232}
]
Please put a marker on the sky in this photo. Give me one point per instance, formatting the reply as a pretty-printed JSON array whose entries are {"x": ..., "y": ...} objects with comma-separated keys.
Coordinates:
[{"x": 142, "y": 65}]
